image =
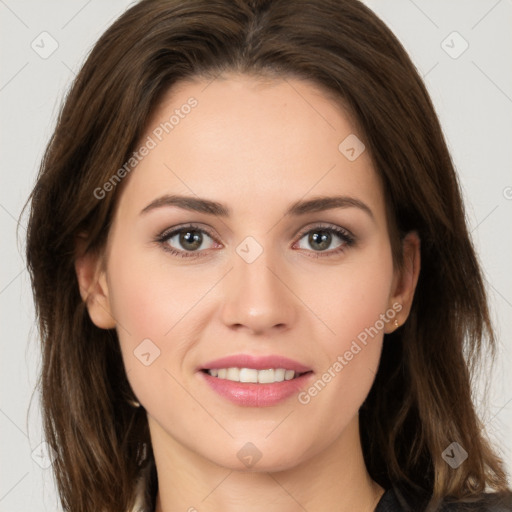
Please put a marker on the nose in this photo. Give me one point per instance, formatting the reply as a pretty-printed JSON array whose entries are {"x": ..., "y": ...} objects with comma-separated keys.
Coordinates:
[{"x": 258, "y": 297}]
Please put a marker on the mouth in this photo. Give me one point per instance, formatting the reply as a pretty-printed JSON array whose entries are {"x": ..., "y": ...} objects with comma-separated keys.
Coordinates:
[
  {"x": 251, "y": 381},
  {"x": 254, "y": 376}
]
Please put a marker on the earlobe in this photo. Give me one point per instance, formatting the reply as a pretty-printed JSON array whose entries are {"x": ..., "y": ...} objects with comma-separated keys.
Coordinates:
[
  {"x": 406, "y": 281},
  {"x": 93, "y": 287}
]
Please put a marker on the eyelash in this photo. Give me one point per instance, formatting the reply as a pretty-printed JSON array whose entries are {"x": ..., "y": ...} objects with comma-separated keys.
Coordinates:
[{"x": 346, "y": 237}]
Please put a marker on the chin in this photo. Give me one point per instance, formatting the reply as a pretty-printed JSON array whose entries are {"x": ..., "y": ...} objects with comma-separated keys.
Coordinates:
[{"x": 258, "y": 456}]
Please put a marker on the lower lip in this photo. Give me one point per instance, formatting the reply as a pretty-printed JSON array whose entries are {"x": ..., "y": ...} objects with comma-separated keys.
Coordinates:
[{"x": 256, "y": 395}]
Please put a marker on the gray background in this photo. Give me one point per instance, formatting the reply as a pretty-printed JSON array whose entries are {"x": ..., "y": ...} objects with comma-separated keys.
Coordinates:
[{"x": 472, "y": 93}]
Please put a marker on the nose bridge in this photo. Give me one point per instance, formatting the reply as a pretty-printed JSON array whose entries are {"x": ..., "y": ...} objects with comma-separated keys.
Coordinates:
[{"x": 255, "y": 295}]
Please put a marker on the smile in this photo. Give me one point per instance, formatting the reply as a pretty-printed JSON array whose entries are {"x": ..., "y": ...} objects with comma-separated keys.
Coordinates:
[
  {"x": 267, "y": 376},
  {"x": 249, "y": 380}
]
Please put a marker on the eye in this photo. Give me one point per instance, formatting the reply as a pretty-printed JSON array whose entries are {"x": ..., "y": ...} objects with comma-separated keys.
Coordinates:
[
  {"x": 186, "y": 241},
  {"x": 321, "y": 238},
  {"x": 194, "y": 241}
]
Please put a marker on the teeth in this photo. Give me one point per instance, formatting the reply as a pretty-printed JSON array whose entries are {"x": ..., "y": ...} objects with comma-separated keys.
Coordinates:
[
  {"x": 245, "y": 375},
  {"x": 251, "y": 375},
  {"x": 266, "y": 376},
  {"x": 279, "y": 374},
  {"x": 233, "y": 374},
  {"x": 289, "y": 374}
]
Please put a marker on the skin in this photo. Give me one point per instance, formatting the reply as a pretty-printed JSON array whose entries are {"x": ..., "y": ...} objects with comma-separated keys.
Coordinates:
[{"x": 256, "y": 147}]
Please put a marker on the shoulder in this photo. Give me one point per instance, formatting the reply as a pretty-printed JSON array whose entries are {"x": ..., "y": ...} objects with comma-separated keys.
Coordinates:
[{"x": 394, "y": 500}]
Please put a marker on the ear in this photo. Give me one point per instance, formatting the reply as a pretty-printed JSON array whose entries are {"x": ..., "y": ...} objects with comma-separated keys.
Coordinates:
[
  {"x": 405, "y": 280},
  {"x": 92, "y": 281}
]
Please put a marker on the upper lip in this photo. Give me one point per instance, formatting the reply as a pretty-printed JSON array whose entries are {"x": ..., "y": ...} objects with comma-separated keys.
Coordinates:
[{"x": 255, "y": 362}]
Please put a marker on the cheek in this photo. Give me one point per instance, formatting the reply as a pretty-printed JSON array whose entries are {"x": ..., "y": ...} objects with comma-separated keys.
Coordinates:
[
  {"x": 153, "y": 305},
  {"x": 356, "y": 295},
  {"x": 357, "y": 310},
  {"x": 148, "y": 298}
]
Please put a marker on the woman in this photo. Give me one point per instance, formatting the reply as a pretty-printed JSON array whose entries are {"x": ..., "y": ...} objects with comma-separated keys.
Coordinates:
[{"x": 250, "y": 265}]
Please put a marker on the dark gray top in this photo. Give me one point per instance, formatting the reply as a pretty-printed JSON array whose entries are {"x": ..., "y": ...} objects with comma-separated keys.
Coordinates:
[{"x": 395, "y": 501}]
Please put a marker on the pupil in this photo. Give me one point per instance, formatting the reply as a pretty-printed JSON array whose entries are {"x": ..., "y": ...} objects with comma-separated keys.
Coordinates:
[
  {"x": 191, "y": 241},
  {"x": 323, "y": 240}
]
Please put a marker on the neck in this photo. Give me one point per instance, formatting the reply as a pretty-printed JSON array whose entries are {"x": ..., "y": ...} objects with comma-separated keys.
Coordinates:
[{"x": 335, "y": 479}]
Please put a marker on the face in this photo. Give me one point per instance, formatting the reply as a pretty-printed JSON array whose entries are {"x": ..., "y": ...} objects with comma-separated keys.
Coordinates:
[{"x": 297, "y": 294}]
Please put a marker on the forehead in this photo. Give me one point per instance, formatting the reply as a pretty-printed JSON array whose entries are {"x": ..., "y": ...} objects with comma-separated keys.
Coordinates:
[{"x": 237, "y": 138}]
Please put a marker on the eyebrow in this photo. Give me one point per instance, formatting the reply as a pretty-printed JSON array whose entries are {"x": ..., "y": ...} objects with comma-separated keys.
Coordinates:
[{"x": 297, "y": 208}]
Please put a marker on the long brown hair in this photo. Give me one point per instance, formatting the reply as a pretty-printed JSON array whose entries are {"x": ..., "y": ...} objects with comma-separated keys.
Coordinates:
[{"x": 421, "y": 399}]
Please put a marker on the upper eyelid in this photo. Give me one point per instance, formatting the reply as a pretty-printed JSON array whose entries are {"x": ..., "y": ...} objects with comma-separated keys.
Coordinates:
[
  {"x": 321, "y": 225},
  {"x": 167, "y": 233}
]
